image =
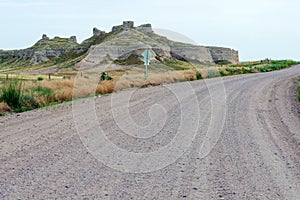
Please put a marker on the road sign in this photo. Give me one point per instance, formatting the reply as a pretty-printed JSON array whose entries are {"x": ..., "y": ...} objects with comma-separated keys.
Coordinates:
[{"x": 147, "y": 55}]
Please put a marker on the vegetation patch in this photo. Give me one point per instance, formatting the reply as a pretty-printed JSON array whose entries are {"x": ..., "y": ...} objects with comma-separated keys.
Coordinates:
[
  {"x": 11, "y": 93},
  {"x": 19, "y": 94},
  {"x": 130, "y": 60},
  {"x": 177, "y": 64}
]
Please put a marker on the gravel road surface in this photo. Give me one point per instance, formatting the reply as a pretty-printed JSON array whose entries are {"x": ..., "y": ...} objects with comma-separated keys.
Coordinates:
[{"x": 241, "y": 140}]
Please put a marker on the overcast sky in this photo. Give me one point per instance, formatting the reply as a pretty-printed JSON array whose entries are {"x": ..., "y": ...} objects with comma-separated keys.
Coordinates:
[{"x": 256, "y": 28}]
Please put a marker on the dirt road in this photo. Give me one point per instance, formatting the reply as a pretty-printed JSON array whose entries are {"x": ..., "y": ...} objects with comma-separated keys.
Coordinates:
[{"x": 241, "y": 140}]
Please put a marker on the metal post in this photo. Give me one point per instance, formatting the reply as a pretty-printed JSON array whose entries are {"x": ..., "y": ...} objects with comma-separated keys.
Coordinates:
[{"x": 146, "y": 72}]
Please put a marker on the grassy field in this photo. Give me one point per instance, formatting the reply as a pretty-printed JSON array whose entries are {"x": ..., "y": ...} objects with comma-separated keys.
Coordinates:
[{"x": 38, "y": 91}]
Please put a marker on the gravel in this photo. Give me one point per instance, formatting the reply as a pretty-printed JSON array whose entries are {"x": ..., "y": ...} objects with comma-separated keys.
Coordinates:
[{"x": 246, "y": 144}]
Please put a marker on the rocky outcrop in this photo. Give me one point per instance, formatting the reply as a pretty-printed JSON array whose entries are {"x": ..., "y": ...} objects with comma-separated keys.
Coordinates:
[
  {"x": 145, "y": 28},
  {"x": 73, "y": 39},
  {"x": 124, "y": 40},
  {"x": 224, "y": 54},
  {"x": 44, "y": 50},
  {"x": 38, "y": 57},
  {"x": 128, "y": 24},
  {"x": 45, "y": 37},
  {"x": 97, "y": 32}
]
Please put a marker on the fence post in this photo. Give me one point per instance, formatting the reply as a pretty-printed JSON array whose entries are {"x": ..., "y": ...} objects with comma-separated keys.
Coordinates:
[{"x": 49, "y": 76}]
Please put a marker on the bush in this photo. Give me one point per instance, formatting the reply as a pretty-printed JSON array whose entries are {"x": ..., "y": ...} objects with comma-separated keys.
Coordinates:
[
  {"x": 104, "y": 76},
  {"x": 232, "y": 70},
  {"x": 198, "y": 76},
  {"x": 212, "y": 74},
  {"x": 40, "y": 78},
  {"x": 222, "y": 73},
  {"x": 11, "y": 92}
]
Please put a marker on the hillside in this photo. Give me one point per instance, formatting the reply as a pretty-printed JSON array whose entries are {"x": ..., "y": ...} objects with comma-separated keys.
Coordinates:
[{"x": 121, "y": 46}]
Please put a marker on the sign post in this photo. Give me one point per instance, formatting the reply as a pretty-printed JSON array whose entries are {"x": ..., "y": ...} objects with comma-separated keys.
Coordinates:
[{"x": 147, "y": 55}]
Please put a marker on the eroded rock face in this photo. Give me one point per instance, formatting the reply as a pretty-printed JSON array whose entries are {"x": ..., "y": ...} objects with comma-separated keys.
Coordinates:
[
  {"x": 219, "y": 53},
  {"x": 191, "y": 53},
  {"x": 38, "y": 57}
]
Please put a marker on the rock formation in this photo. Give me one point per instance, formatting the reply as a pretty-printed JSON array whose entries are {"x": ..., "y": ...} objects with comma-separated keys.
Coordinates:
[
  {"x": 129, "y": 40},
  {"x": 124, "y": 40},
  {"x": 97, "y": 32},
  {"x": 73, "y": 39}
]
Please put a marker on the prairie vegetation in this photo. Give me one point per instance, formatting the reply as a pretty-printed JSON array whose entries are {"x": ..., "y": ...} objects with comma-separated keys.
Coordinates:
[{"x": 27, "y": 92}]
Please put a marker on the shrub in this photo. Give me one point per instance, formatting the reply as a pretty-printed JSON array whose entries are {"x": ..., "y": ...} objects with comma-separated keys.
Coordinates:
[
  {"x": 104, "y": 76},
  {"x": 222, "y": 73},
  {"x": 40, "y": 78},
  {"x": 198, "y": 76},
  {"x": 11, "y": 92},
  {"x": 212, "y": 74},
  {"x": 232, "y": 70}
]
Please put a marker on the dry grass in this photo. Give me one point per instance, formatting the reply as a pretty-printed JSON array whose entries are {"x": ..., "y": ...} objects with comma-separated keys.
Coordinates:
[
  {"x": 4, "y": 108},
  {"x": 46, "y": 92}
]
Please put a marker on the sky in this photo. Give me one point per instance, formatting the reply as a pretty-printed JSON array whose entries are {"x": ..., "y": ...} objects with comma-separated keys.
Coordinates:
[{"x": 258, "y": 29}]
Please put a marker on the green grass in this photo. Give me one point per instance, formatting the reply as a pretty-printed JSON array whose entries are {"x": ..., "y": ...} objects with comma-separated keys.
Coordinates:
[
  {"x": 11, "y": 93},
  {"x": 20, "y": 100},
  {"x": 277, "y": 65},
  {"x": 257, "y": 66},
  {"x": 177, "y": 64}
]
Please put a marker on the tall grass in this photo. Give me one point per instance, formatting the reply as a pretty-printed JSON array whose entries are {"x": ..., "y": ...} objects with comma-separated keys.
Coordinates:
[{"x": 11, "y": 92}]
